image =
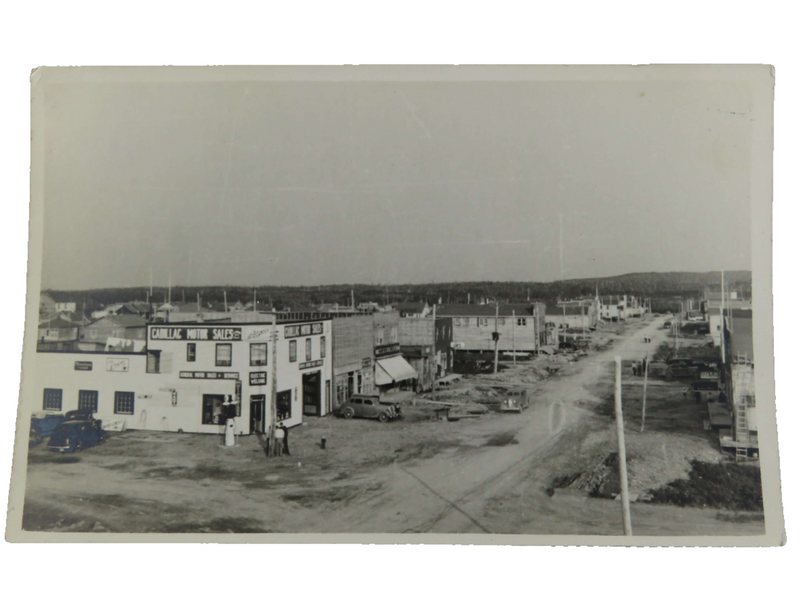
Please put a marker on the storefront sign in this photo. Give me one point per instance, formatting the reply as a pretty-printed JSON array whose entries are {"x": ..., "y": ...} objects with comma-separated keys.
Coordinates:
[
  {"x": 192, "y": 334},
  {"x": 310, "y": 364},
  {"x": 258, "y": 378},
  {"x": 387, "y": 349},
  {"x": 366, "y": 363},
  {"x": 208, "y": 375},
  {"x": 117, "y": 365},
  {"x": 259, "y": 334},
  {"x": 292, "y": 331},
  {"x": 83, "y": 365}
]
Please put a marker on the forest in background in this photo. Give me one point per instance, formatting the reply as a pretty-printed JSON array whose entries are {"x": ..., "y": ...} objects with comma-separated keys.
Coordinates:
[{"x": 665, "y": 289}]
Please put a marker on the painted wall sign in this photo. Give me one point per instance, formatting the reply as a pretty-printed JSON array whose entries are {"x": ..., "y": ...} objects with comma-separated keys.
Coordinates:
[
  {"x": 208, "y": 375},
  {"x": 83, "y": 365},
  {"x": 366, "y": 363},
  {"x": 310, "y": 364},
  {"x": 258, "y": 378},
  {"x": 259, "y": 334},
  {"x": 211, "y": 334},
  {"x": 118, "y": 365},
  {"x": 387, "y": 349},
  {"x": 292, "y": 331}
]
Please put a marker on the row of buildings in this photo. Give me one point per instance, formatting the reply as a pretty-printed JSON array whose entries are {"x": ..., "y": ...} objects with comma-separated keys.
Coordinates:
[{"x": 175, "y": 369}]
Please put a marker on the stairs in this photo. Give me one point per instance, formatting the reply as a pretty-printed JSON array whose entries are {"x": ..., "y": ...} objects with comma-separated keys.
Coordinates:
[{"x": 742, "y": 433}]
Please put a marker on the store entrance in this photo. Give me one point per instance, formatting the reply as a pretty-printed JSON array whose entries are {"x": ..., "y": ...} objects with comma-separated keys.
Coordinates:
[
  {"x": 257, "y": 413},
  {"x": 312, "y": 394}
]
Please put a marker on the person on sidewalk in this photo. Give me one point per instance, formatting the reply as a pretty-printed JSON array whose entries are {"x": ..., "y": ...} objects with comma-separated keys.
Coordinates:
[
  {"x": 279, "y": 433},
  {"x": 285, "y": 431}
]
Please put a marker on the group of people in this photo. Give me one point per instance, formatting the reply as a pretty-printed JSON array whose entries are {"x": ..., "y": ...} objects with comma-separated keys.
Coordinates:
[
  {"x": 639, "y": 366},
  {"x": 281, "y": 440}
]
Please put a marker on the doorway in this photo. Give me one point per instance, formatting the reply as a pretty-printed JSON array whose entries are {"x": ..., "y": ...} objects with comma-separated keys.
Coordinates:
[
  {"x": 312, "y": 401},
  {"x": 257, "y": 413}
]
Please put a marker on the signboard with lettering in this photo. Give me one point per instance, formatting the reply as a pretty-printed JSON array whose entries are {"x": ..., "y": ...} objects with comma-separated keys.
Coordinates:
[
  {"x": 292, "y": 331},
  {"x": 387, "y": 349},
  {"x": 310, "y": 364},
  {"x": 83, "y": 365},
  {"x": 366, "y": 363},
  {"x": 197, "y": 334},
  {"x": 117, "y": 365},
  {"x": 208, "y": 375},
  {"x": 258, "y": 378},
  {"x": 259, "y": 334}
]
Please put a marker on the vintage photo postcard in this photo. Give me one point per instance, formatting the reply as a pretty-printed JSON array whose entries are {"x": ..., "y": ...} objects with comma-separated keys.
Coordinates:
[{"x": 442, "y": 304}]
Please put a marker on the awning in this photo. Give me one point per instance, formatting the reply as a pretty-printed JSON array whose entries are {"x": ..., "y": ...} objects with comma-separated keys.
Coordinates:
[{"x": 390, "y": 370}]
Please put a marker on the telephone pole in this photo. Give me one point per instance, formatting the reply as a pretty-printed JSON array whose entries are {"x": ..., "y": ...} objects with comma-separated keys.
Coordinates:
[
  {"x": 273, "y": 416},
  {"x": 623, "y": 463},
  {"x": 722, "y": 315},
  {"x": 644, "y": 396},
  {"x": 496, "y": 335}
]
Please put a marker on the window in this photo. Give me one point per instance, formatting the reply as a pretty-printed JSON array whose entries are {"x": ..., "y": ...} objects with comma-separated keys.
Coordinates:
[
  {"x": 457, "y": 322},
  {"x": 308, "y": 348},
  {"x": 501, "y": 321},
  {"x": 214, "y": 411},
  {"x": 465, "y": 321},
  {"x": 522, "y": 322},
  {"x": 223, "y": 356},
  {"x": 293, "y": 351},
  {"x": 482, "y": 322},
  {"x": 87, "y": 400},
  {"x": 52, "y": 399},
  {"x": 191, "y": 352},
  {"x": 258, "y": 355},
  {"x": 322, "y": 347},
  {"x": 153, "y": 361},
  {"x": 393, "y": 335},
  {"x": 358, "y": 401},
  {"x": 368, "y": 402},
  {"x": 123, "y": 403},
  {"x": 379, "y": 336},
  {"x": 284, "y": 405}
]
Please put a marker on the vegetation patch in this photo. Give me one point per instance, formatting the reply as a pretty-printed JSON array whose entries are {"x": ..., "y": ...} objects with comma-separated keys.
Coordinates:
[{"x": 715, "y": 485}]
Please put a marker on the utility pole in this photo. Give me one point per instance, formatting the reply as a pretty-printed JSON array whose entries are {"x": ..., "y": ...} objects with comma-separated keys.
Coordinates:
[
  {"x": 273, "y": 413},
  {"x": 722, "y": 315},
  {"x": 644, "y": 396},
  {"x": 433, "y": 389},
  {"x": 151, "y": 282},
  {"x": 623, "y": 463},
  {"x": 514, "y": 336},
  {"x": 561, "y": 244},
  {"x": 254, "y": 301},
  {"x": 169, "y": 291},
  {"x": 496, "y": 335},
  {"x": 198, "y": 301},
  {"x": 225, "y": 299}
]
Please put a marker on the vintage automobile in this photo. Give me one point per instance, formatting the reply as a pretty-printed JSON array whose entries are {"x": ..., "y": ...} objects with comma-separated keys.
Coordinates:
[
  {"x": 43, "y": 425},
  {"x": 515, "y": 400},
  {"x": 74, "y": 435},
  {"x": 369, "y": 407}
]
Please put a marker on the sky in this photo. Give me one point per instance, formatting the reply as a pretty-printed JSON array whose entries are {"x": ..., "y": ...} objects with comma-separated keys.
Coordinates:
[{"x": 314, "y": 183}]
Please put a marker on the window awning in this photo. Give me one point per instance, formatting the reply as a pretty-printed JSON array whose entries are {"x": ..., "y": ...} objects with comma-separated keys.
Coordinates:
[{"x": 390, "y": 370}]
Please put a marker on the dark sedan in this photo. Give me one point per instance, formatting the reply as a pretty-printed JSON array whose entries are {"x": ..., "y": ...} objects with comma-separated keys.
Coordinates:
[{"x": 74, "y": 436}]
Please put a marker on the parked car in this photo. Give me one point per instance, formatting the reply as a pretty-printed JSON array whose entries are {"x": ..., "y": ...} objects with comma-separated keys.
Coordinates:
[
  {"x": 74, "y": 435},
  {"x": 515, "y": 400},
  {"x": 44, "y": 425},
  {"x": 369, "y": 407}
]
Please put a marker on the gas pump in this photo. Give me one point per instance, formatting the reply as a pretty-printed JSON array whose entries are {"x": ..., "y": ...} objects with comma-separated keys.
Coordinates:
[{"x": 229, "y": 408}]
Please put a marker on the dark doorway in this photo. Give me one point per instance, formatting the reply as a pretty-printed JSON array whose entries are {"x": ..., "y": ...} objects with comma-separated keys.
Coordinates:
[
  {"x": 312, "y": 401},
  {"x": 257, "y": 413}
]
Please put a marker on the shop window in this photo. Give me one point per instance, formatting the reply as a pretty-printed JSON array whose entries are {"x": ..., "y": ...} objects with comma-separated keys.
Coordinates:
[
  {"x": 87, "y": 400},
  {"x": 322, "y": 347},
  {"x": 308, "y": 349},
  {"x": 283, "y": 405},
  {"x": 293, "y": 351},
  {"x": 191, "y": 352},
  {"x": 223, "y": 355},
  {"x": 52, "y": 399},
  {"x": 258, "y": 355},
  {"x": 214, "y": 410},
  {"x": 153, "y": 361},
  {"x": 123, "y": 403}
]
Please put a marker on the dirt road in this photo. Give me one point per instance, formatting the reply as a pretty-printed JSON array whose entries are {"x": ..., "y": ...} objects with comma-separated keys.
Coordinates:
[{"x": 447, "y": 493}]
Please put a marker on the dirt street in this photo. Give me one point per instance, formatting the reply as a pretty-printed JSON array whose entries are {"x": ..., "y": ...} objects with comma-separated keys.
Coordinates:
[{"x": 489, "y": 474}]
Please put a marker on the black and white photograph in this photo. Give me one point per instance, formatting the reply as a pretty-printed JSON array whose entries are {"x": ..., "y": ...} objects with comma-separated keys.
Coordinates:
[{"x": 528, "y": 304}]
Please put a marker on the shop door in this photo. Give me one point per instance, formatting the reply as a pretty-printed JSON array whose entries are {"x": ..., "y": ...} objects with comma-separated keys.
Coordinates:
[
  {"x": 312, "y": 401},
  {"x": 257, "y": 413}
]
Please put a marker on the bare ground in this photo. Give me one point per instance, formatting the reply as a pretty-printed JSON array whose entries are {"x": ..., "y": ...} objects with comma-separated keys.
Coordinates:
[{"x": 491, "y": 472}]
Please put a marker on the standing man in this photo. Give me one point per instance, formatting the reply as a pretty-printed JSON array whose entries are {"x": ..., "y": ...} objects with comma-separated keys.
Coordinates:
[
  {"x": 285, "y": 430},
  {"x": 279, "y": 439}
]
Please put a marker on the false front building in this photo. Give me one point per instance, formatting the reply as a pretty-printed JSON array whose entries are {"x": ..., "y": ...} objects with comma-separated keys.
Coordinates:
[
  {"x": 521, "y": 326},
  {"x": 191, "y": 372}
]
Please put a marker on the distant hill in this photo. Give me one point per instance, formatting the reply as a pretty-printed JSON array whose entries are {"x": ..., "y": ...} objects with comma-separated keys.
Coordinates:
[{"x": 664, "y": 288}]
